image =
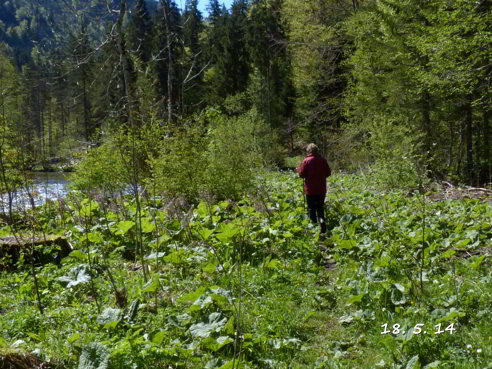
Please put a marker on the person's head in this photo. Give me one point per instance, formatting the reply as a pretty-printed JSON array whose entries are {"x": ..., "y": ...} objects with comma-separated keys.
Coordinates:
[{"x": 312, "y": 149}]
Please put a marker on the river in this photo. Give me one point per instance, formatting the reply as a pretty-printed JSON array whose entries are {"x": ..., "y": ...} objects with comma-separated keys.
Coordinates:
[{"x": 46, "y": 185}]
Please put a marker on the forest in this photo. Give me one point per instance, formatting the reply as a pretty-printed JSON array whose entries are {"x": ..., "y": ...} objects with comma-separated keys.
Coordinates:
[{"x": 183, "y": 240}]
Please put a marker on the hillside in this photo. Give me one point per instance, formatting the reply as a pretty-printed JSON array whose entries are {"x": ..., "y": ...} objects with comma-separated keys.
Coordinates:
[{"x": 44, "y": 25}]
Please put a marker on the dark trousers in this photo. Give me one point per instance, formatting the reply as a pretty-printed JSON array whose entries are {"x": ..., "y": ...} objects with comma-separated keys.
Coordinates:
[{"x": 316, "y": 209}]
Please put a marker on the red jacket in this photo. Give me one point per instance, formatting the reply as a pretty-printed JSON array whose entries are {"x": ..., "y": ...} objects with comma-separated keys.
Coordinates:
[{"x": 314, "y": 168}]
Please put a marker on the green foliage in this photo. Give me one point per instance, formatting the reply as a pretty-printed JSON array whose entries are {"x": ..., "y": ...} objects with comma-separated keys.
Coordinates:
[
  {"x": 102, "y": 169},
  {"x": 178, "y": 168},
  {"x": 219, "y": 159},
  {"x": 237, "y": 148},
  {"x": 282, "y": 308},
  {"x": 394, "y": 149},
  {"x": 94, "y": 356}
]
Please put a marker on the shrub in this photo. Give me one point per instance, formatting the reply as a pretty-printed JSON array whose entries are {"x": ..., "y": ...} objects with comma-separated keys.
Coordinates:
[
  {"x": 238, "y": 147},
  {"x": 101, "y": 169},
  {"x": 179, "y": 164}
]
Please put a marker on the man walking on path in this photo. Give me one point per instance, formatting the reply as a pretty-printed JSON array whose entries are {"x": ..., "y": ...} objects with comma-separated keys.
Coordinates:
[{"x": 315, "y": 169}]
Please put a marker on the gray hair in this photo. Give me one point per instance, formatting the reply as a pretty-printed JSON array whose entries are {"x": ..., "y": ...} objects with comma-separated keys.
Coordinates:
[{"x": 312, "y": 149}]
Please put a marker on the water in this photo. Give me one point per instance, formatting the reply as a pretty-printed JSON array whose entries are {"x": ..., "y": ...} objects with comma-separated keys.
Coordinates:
[{"x": 45, "y": 186}]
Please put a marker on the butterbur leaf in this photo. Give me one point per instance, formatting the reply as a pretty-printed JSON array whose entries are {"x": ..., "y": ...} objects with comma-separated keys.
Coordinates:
[
  {"x": 94, "y": 356},
  {"x": 155, "y": 255},
  {"x": 204, "y": 330},
  {"x": 192, "y": 296},
  {"x": 79, "y": 255},
  {"x": 448, "y": 254},
  {"x": 124, "y": 226},
  {"x": 95, "y": 237},
  {"x": 210, "y": 267},
  {"x": 205, "y": 233},
  {"x": 346, "y": 319},
  {"x": 77, "y": 275},
  {"x": 214, "y": 363},
  {"x": 74, "y": 337},
  {"x": 201, "y": 302},
  {"x": 227, "y": 232},
  {"x": 397, "y": 296},
  {"x": 413, "y": 363},
  {"x": 434, "y": 364},
  {"x": 109, "y": 315},
  {"x": 147, "y": 225},
  {"x": 216, "y": 344},
  {"x": 357, "y": 298},
  {"x": 152, "y": 285},
  {"x": 202, "y": 209},
  {"x": 453, "y": 314},
  {"x": 158, "y": 337},
  {"x": 399, "y": 287},
  {"x": 228, "y": 365}
]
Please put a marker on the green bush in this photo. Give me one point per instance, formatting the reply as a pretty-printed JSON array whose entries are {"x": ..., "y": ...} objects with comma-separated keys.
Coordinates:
[
  {"x": 178, "y": 167},
  {"x": 238, "y": 147},
  {"x": 214, "y": 154},
  {"x": 395, "y": 148},
  {"x": 101, "y": 169}
]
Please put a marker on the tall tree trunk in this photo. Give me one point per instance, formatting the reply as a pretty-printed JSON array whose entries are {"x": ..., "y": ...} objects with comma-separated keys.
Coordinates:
[
  {"x": 166, "y": 9},
  {"x": 129, "y": 104},
  {"x": 451, "y": 145},
  {"x": 469, "y": 141},
  {"x": 487, "y": 173},
  {"x": 86, "y": 107},
  {"x": 62, "y": 118},
  {"x": 41, "y": 125},
  {"x": 50, "y": 129},
  {"x": 426, "y": 121}
]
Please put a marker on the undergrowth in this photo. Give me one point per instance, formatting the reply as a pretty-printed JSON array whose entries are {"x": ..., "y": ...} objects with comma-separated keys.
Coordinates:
[{"x": 246, "y": 284}]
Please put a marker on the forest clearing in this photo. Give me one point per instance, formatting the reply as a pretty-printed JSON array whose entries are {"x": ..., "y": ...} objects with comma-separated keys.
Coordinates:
[{"x": 151, "y": 216}]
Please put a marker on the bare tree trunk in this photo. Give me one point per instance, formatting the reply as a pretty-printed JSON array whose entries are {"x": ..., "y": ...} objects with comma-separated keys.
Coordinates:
[
  {"x": 166, "y": 9},
  {"x": 129, "y": 104},
  {"x": 50, "y": 129},
  {"x": 426, "y": 121},
  {"x": 487, "y": 177},
  {"x": 62, "y": 118},
  {"x": 86, "y": 107},
  {"x": 451, "y": 145},
  {"x": 469, "y": 141}
]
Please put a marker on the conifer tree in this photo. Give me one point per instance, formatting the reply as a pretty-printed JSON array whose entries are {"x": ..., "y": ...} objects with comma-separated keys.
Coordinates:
[
  {"x": 168, "y": 35},
  {"x": 140, "y": 32},
  {"x": 194, "y": 58},
  {"x": 268, "y": 49}
]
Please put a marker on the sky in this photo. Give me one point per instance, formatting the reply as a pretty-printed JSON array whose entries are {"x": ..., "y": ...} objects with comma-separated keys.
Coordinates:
[{"x": 202, "y": 5}]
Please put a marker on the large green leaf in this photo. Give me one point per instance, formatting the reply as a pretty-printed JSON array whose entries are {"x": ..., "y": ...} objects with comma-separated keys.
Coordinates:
[
  {"x": 148, "y": 225},
  {"x": 204, "y": 330},
  {"x": 124, "y": 226},
  {"x": 94, "y": 356},
  {"x": 205, "y": 233},
  {"x": 88, "y": 207},
  {"x": 227, "y": 232},
  {"x": 109, "y": 317},
  {"x": 413, "y": 363},
  {"x": 77, "y": 275}
]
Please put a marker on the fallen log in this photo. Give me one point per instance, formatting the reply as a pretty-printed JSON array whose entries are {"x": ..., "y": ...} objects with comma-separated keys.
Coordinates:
[
  {"x": 11, "y": 359},
  {"x": 48, "y": 248}
]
